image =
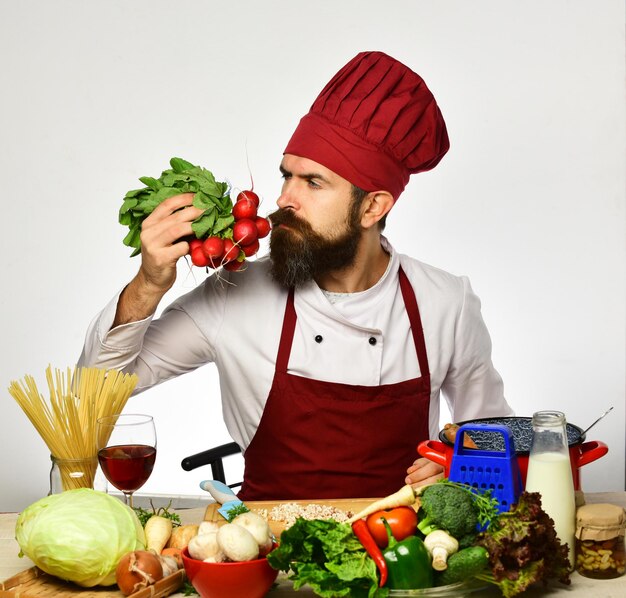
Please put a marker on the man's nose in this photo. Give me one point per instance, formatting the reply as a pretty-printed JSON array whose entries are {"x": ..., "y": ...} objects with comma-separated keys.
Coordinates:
[{"x": 287, "y": 198}]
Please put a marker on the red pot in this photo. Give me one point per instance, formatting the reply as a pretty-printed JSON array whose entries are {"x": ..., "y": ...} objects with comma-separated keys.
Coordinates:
[{"x": 581, "y": 453}]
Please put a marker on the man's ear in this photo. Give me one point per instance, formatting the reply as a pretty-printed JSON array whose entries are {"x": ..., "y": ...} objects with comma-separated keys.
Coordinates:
[{"x": 375, "y": 205}]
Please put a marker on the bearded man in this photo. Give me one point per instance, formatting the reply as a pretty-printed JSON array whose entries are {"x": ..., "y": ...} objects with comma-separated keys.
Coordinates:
[{"x": 334, "y": 350}]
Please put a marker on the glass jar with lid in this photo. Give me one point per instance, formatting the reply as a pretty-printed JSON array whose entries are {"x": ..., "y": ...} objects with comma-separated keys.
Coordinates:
[{"x": 600, "y": 550}]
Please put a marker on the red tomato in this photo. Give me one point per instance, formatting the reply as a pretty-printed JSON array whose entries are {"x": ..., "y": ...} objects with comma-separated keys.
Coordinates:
[{"x": 401, "y": 520}]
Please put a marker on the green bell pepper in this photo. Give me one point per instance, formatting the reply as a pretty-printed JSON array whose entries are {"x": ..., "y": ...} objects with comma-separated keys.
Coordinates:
[{"x": 408, "y": 563}]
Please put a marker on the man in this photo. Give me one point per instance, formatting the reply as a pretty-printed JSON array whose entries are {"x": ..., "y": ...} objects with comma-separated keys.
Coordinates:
[{"x": 333, "y": 351}]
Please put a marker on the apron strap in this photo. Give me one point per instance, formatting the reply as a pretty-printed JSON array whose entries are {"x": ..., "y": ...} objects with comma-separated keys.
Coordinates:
[
  {"x": 410, "y": 302},
  {"x": 286, "y": 336}
]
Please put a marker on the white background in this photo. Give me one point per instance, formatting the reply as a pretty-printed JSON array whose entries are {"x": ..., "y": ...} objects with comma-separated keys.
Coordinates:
[{"x": 529, "y": 202}]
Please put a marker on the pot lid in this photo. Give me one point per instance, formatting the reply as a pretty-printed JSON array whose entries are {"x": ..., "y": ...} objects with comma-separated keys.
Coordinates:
[{"x": 521, "y": 429}]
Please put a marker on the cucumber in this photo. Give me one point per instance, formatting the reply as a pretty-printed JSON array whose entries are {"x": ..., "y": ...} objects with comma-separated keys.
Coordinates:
[{"x": 463, "y": 565}]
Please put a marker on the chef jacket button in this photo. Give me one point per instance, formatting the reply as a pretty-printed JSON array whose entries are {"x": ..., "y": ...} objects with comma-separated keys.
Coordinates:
[
  {"x": 372, "y": 340},
  {"x": 319, "y": 338}
]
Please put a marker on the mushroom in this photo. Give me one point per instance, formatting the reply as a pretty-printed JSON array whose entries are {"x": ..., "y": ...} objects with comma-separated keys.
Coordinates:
[
  {"x": 237, "y": 543},
  {"x": 259, "y": 528},
  {"x": 440, "y": 545},
  {"x": 205, "y": 547}
]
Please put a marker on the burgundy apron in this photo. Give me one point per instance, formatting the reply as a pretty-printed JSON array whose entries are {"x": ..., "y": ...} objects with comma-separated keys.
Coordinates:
[{"x": 321, "y": 439}]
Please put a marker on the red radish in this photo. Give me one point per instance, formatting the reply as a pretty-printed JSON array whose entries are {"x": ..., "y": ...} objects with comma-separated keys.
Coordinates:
[
  {"x": 194, "y": 244},
  {"x": 198, "y": 258},
  {"x": 213, "y": 247},
  {"x": 231, "y": 251},
  {"x": 244, "y": 208},
  {"x": 245, "y": 232},
  {"x": 251, "y": 195},
  {"x": 214, "y": 263},
  {"x": 234, "y": 266},
  {"x": 251, "y": 249},
  {"x": 262, "y": 226}
]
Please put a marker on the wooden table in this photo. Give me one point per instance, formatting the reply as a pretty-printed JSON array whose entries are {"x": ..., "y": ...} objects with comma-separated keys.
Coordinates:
[{"x": 581, "y": 587}]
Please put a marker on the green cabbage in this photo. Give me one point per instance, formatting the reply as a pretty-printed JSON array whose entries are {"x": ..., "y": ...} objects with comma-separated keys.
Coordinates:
[{"x": 79, "y": 535}]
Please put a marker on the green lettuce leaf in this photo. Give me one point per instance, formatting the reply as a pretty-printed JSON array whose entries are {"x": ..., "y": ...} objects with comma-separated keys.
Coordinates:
[{"x": 327, "y": 556}]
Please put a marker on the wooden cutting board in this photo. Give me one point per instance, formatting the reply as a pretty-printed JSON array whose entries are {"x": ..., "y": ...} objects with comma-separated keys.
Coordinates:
[
  {"x": 350, "y": 506},
  {"x": 34, "y": 583}
]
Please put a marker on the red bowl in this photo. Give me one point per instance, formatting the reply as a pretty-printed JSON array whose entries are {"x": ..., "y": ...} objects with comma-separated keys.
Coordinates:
[{"x": 248, "y": 579}]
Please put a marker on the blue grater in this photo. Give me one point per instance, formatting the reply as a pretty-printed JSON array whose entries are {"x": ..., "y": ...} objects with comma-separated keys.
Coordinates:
[{"x": 484, "y": 470}]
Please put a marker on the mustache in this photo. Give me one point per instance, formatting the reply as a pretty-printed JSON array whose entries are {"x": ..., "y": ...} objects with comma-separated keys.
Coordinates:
[{"x": 288, "y": 218}]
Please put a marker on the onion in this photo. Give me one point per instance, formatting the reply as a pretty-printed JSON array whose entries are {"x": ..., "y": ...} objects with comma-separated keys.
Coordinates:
[{"x": 137, "y": 570}]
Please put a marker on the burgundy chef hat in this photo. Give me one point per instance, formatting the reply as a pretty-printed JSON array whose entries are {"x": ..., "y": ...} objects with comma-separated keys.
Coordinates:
[{"x": 374, "y": 124}]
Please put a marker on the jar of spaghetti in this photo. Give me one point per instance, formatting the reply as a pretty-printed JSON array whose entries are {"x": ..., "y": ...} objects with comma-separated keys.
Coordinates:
[
  {"x": 69, "y": 474},
  {"x": 600, "y": 551}
]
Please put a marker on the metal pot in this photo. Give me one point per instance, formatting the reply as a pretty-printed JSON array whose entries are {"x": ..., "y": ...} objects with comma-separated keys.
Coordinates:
[{"x": 581, "y": 453}]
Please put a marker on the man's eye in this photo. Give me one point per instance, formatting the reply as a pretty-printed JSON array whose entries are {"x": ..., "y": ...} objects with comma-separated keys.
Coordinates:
[{"x": 313, "y": 184}]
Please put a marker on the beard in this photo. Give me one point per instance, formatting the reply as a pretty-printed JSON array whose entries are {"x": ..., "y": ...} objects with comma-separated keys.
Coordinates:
[{"x": 298, "y": 254}]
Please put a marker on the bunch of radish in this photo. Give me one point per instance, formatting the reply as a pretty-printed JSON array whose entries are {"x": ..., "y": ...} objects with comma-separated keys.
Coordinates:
[
  {"x": 224, "y": 234},
  {"x": 231, "y": 248}
]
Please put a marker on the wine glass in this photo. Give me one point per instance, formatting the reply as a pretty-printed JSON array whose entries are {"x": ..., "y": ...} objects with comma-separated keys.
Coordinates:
[{"x": 126, "y": 451}]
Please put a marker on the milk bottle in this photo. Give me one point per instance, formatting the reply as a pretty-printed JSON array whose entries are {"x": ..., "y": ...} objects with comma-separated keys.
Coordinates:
[{"x": 550, "y": 473}]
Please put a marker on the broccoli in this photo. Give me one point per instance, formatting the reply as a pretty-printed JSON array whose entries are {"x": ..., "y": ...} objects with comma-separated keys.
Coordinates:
[
  {"x": 456, "y": 508},
  {"x": 449, "y": 508}
]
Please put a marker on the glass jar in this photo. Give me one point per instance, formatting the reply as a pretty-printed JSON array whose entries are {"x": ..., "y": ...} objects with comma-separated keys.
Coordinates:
[
  {"x": 68, "y": 474},
  {"x": 600, "y": 550}
]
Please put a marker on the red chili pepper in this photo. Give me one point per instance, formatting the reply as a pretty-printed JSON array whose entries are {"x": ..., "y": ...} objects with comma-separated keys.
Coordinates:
[{"x": 362, "y": 532}]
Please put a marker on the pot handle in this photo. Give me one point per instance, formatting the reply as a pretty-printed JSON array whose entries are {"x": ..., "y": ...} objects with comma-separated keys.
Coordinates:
[
  {"x": 434, "y": 450},
  {"x": 591, "y": 451}
]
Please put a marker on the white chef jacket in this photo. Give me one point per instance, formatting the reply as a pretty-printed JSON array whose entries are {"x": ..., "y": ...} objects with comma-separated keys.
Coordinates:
[{"x": 236, "y": 323}]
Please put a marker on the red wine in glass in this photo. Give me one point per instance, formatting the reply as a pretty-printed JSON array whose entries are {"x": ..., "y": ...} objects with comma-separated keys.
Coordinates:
[
  {"x": 126, "y": 450},
  {"x": 127, "y": 467}
]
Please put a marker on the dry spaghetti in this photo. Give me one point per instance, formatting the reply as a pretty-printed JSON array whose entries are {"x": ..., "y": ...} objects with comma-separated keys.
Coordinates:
[{"x": 67, "y": 420}]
